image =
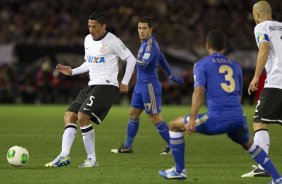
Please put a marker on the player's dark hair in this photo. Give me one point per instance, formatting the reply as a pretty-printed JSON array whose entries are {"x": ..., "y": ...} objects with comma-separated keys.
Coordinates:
[
  {"x": 147, "y": 20},
  {"x": 100, "y": 17},
  {"x": 216, "y": 39}
]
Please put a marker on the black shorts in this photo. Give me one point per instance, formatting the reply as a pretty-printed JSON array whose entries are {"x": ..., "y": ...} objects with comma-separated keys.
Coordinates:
[
  {"x": 95, "y": 101},
  {"x": 269, "y": 106}
]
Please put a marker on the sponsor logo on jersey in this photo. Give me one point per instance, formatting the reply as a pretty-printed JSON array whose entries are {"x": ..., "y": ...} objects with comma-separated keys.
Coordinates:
[
  {"x": 93, "y": 59},
  {"x": 123, "y": 46}
]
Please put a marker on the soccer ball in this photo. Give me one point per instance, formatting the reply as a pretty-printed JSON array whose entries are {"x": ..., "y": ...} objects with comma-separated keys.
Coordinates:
[{"x": 17, "y": 156}]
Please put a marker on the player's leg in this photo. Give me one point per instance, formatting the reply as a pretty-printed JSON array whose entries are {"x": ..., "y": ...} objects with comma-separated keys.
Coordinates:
[
  {"x": 204, "y": 125},
  {"x": 136, "y": 110},
  {"x": 177, "y": 146},
  {"x": 151, "y": 96},
  {"x": 94, "y": 109},
  {"x": 132, "y": 129},
  {"x": 163, "y": 130},
  {"x": 240, "y": 134},
  {"x": 268, "y": 110},
  {"x": 260, "y": 156},
  {"x": 70, "y": 119},
  {"x": 88, "y": 136},
  {"x": 261, "y": 138},
  {"x": 68, "y": 137}
]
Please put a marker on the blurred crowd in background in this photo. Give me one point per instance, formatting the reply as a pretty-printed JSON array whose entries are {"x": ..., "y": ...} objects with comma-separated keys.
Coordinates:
[{"x": 179, "y": 25}]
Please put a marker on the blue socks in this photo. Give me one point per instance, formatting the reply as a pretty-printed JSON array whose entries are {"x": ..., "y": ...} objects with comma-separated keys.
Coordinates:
[
  {"x": 259, "y": 155},
  {"x": 163, "y": 130},
  {"x": 132, "y": 129},
  {"x": 133, "y": 126},
  {"x": 177, "y": 146}
]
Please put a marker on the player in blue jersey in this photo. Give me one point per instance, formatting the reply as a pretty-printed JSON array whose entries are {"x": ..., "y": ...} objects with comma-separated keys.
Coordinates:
[
  {"x": 219, "y": 79},
  {"x": 147, "y": 92}
]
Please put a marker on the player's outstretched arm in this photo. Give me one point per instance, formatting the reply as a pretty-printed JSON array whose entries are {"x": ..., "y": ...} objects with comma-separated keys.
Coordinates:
[
  {"x": 176, "y": 79},
  {"x": 66, "y": 70},
  {"x": 165, "y": 66}
]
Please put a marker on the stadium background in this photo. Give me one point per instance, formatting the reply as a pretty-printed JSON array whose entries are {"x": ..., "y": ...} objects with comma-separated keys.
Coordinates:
[{"x": 35, "y": 35}]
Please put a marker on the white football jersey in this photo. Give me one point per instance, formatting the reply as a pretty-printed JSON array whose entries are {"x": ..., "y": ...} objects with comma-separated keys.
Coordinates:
[
  {"x": 271, "y": 31},
  {"x": 101, "y": 58}
]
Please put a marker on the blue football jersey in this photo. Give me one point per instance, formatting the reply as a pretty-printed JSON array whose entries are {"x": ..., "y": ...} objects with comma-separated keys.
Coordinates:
[
  {"x": 222, "y": 79},
  {"x": 149, "y": 54}
]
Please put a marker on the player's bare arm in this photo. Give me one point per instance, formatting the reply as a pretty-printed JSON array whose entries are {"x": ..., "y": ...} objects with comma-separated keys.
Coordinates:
[
  {"x": 66, "y": 70},
  {"x": 261, "y": 61},
  {"x": 197, "y": 99}
]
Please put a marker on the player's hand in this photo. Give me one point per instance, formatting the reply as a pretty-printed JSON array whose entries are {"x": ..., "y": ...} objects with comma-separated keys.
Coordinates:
[
  {"x": 177, "y": 80},
  {"x": 123, "y": 88},
  {"x": 64, "y": 69},
  {"x": 253, "y": 85},
  {"x": 190, "y": 127}
]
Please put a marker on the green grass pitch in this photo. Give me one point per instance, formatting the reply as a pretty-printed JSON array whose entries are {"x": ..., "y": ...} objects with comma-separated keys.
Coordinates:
[{"x": 209, "y": 159}]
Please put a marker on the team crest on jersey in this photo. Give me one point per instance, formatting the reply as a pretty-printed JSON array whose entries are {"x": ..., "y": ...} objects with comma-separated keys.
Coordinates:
[
  {"x": 93, "y": 59},
  {"x": 103, "y": 48}
]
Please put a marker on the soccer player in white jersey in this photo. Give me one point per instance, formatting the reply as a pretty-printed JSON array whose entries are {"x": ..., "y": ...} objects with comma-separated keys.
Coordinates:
[
  {"x": 102, "y": 51},
  {"x": 268, "y": 34}
]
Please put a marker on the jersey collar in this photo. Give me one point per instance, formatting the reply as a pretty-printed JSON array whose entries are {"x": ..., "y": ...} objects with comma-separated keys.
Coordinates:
[
  {"x": 102, "y": 36},
  {"x": 147, "y": 39}
]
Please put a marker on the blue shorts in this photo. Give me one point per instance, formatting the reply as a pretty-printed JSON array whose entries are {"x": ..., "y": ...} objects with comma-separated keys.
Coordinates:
[
  {"x": 147, "y": 96},
  {"x": 236, "y": 129}
]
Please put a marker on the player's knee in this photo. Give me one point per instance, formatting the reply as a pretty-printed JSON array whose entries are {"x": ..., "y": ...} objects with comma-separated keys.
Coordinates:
[
  {"x": 259, "y": 126},
  {"x": 173, "y": 126},
  {"x": 155, "y": 118},
  {"x": 83, "y": 119},
  {"x": 133, "y": 116},
  {"x": 70, "y": 117}
]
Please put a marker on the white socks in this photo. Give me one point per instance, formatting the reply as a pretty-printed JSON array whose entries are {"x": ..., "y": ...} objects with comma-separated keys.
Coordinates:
[
  {"x": 68, "y": 138},
  {"x": 88, "y": 136},
  {"x": 262, "y": 139}
]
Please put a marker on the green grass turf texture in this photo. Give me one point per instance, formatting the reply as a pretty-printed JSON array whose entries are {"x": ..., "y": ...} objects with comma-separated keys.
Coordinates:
[{"x": 209, "y": 159}]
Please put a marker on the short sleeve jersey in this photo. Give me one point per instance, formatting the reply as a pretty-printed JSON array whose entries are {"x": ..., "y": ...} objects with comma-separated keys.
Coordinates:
[{"x": 271, "y": 31}]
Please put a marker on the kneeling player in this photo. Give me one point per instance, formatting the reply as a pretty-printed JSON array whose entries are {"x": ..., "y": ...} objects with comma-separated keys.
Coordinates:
[{"x": 219, "y": 79}]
